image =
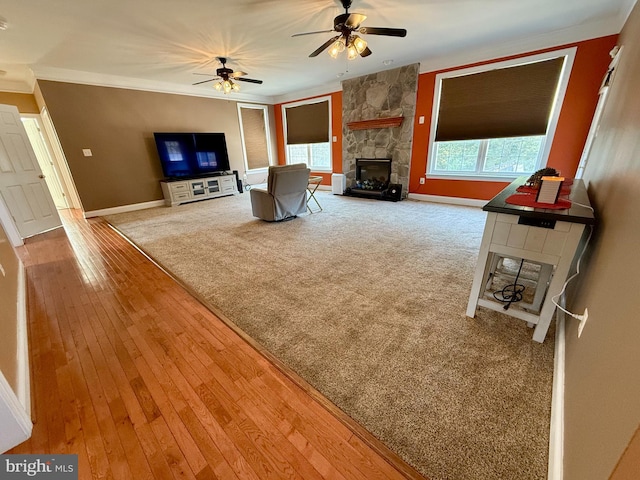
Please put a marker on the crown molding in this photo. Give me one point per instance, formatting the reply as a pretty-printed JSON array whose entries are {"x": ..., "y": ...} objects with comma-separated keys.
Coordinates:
[{"x": 115, "y": 81}]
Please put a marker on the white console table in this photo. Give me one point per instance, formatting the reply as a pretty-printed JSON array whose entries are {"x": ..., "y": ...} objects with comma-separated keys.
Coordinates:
[
  {"x": 183, "y": 191},
  {"x": 544, "y": 236}
]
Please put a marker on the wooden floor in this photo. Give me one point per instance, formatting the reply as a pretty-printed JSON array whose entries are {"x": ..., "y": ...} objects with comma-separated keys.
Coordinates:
[{"x": 140, "y": 380}]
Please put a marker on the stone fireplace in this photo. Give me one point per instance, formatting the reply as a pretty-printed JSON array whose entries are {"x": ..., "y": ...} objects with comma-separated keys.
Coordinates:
[{"x": 377, "y": 121}]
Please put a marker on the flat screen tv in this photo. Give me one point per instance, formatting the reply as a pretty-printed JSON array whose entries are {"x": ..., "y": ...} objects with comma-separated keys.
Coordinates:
[{"x": 185, "y": 155}]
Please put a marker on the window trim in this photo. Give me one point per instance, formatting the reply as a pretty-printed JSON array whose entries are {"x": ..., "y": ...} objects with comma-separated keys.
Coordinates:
[
  {"x": 325, "y": 98},
  {"x": 568, "y": 53},
  {"x": 267, "y": 132}
]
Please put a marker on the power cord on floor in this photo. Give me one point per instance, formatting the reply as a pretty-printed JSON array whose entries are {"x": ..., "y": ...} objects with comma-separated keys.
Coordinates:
[
  {"x": 555, "y": 298},
  {"x": 512, "y": 292}
]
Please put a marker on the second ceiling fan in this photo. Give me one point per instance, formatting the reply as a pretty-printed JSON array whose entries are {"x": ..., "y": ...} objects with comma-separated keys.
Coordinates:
[
  {"x": 348, "y": 25},
  {"x": 226, "y": 78}
]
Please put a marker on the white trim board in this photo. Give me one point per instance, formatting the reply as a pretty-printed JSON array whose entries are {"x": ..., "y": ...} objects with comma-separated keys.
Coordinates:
[
  {"x": 15, "y": 424},
  {"x": 124, "y": 208},
  {"x": 469, "y": 202},
  {"x": 24, "y": 378},
  {"x": 555, "y": 470},
  {"x": 6, "y": 220}
]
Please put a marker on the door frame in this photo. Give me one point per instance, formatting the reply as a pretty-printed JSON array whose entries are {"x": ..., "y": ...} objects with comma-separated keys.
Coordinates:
[
  {"x": 6, "y": 220},
  {"x": 60, "y": 161},
  {"x": 54, "y": 162}
]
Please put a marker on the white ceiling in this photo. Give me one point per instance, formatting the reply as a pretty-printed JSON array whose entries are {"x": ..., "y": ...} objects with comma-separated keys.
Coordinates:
[{"x": 159, "y": 44}]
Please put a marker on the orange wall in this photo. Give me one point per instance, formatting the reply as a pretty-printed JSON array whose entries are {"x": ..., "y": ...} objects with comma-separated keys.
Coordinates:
[
  {"x": 590, "y": 65},
  {"x": 336, "y": 131}
]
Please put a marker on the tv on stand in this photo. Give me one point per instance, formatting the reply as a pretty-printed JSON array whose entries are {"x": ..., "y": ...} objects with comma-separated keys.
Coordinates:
[{"x": 192, "y": 155}]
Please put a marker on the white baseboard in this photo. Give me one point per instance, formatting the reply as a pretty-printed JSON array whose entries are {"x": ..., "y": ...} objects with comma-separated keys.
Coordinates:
[
  {"x": 469, "y": 202},
  {"x": 15, "y": 424},
  {"x": 124, "y": 208},
  {"x": 24, "y": 377},
  {"x": 555, "y": 469}
]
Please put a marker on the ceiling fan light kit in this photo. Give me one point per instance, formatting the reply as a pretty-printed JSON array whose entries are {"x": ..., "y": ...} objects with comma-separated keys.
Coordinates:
[
  {"x": 347, "y": 25},
  {"x": 227, "y": 86},
  {"x": 225, "y": 78}
]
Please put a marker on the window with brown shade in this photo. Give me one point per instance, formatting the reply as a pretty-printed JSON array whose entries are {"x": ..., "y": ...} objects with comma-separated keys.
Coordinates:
[
  {"x": 254, "y": 130},
  {"x": 308, "y": 123},
  {"x": 505, "y": 102},
  {"x": 497, "y": 120},
  {"x": 307, "y": 127}
]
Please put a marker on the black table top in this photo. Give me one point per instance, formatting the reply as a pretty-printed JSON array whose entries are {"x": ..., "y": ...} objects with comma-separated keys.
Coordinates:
[{"x": 575, "y": 214}]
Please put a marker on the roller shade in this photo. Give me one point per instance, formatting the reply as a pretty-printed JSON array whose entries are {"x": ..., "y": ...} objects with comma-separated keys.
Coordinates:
[
  {"x": 506, "y": 102},
  {"x": 255, "y": 137},
  {"x": 308, "y": 123}
]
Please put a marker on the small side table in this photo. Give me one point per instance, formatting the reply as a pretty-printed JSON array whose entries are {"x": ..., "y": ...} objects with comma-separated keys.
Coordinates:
[
  {"x": 314, "y": 183},
  {"x": 545, "y": 236}
]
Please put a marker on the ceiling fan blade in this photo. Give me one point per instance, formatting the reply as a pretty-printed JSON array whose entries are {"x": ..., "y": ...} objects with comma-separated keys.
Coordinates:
[
  {"x": 311, "y": 33},
  {"x": 390, "y": 32},
  {"x": 366, "y": 52},
  {"x": 249, "y": 80},
  {"x": 354, "y": 20},
  {"x": 204, "y": 81},
  {"x": 324, "y": 46},
  {"x": 237, "y": 74}
]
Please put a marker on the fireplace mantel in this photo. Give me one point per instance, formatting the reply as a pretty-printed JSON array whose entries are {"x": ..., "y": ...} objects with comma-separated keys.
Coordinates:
[{"x": 389, "y": 122}]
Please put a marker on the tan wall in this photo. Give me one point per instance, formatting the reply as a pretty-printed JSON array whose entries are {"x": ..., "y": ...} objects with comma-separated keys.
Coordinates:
[
  {"x": 8, "y": 311},
  {"x": 118, "y": 125},
  {"x": 602, "y": 404},
  {"x": 25, "y": 102}
]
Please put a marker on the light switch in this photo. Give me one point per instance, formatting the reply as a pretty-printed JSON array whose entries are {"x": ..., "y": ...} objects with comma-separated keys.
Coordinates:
[
  {"x": 87, "y": 152},
  {"x": 335, "y": 139},
  {"x": 421, "y": 119}
]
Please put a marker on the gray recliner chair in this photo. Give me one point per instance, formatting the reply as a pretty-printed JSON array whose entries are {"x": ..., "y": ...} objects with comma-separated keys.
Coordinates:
[{"x": 286, "y": 193}]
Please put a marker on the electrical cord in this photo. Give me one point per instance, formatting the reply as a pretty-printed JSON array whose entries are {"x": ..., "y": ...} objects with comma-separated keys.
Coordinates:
[
  {"x": 555, "y": 298},
  {"x": 511, "y": 293},
  {"x": 582, "y": 205}
]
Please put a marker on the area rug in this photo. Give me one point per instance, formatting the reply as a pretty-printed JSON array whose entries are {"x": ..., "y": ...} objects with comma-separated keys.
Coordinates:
[{"x": 366, "y": 301}]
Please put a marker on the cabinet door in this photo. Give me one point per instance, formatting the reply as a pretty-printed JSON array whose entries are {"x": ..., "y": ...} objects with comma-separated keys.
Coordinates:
[
  {"x": 213, "y": 186},
  {"x": 198, "y": 188}
]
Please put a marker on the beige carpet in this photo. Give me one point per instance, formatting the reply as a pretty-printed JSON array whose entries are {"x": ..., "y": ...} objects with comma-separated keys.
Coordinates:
[{"x": 366, "y": 301}]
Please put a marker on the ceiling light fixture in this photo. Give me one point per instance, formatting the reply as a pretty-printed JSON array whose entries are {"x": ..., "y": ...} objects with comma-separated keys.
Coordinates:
[
  {"x": 227, "y": 85},
  {"x": 354, "y": 45}
]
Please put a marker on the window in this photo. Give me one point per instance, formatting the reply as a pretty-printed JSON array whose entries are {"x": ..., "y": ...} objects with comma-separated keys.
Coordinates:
[
  {"x": 497, "y": 120},
  {"x": 307, "y": 132},
  {"x": 317, "y": 156},
  {"x": 254, "y": 130},
  {"x": 499, "y": 156}
]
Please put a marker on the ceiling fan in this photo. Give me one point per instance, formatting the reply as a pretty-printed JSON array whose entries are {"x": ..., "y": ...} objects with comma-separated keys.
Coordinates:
[
  {"x": 226, "y": 78},
  {"x": 347, "y": 25}
]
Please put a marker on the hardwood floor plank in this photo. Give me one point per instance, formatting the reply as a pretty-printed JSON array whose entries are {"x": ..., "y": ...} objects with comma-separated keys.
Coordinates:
[{"x": 141, "y": 380}]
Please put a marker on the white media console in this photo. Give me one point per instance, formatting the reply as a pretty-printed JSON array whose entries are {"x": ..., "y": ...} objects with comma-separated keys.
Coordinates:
[{"x": 183, "y": 191}]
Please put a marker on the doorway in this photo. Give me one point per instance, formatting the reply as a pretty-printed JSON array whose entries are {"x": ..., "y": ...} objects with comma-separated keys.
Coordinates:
[{"x": 45, "y": 160}]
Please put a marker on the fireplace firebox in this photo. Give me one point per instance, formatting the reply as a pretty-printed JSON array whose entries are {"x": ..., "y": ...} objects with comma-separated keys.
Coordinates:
[{"x": 373, "y": 180}]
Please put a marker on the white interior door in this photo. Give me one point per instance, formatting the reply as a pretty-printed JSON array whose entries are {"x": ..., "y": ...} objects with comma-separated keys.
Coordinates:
[
  {"x": 45, "y": 161},
  {"x": 22, "y": 185}
]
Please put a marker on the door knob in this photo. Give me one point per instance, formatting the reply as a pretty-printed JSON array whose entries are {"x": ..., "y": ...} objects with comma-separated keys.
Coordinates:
[{"x": 40, "y": 176}]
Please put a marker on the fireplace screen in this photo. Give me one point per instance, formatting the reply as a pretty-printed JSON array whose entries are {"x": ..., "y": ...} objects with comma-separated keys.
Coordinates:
[{"x": 372, "y": 173}]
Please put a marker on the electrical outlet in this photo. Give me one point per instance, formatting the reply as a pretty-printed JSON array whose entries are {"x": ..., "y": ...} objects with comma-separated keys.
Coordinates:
[
  {"x": 583, "y": 321},
  {"x": 422, "y": 180}
]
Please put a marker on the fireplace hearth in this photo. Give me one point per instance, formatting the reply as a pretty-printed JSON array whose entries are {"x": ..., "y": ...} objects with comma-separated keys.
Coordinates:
[{"x": 373, "y": 180}]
